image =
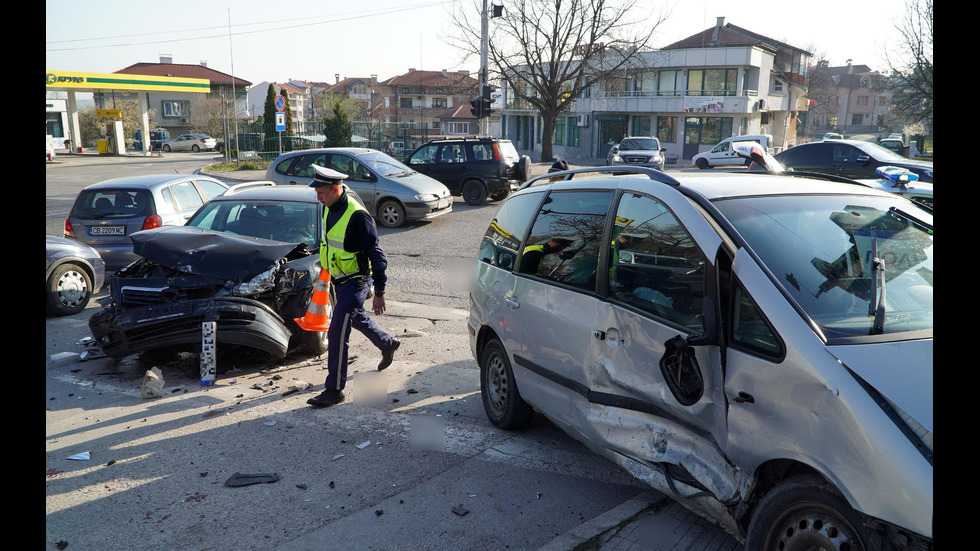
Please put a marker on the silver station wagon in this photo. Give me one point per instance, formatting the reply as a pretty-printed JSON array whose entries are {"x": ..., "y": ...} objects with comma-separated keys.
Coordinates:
[{"x": 758, "y": 347}]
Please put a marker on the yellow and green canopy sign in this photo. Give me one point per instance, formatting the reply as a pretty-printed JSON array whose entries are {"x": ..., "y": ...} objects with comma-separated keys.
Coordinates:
[{"x": 64, "y": 80}]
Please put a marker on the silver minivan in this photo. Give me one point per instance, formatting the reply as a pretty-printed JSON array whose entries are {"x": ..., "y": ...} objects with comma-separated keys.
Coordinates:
[
  {"x": 392, "y": 192},
  {"x": 726, "y": 338}
]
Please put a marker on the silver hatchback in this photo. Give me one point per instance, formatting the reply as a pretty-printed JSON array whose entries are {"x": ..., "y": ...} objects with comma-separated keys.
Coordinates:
[
  {"x": 106, "y": 213},
  {"x": 392, "y": 192},
  {"x": 727, "y": 339}
]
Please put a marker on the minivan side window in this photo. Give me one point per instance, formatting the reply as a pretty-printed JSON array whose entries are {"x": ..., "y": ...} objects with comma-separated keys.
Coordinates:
[
  {"x": 654, "y": 264},
  {"x": 566, "y": 238},
  {"x": 503, "y": 237},
  {"x": 750, "y": 329}
]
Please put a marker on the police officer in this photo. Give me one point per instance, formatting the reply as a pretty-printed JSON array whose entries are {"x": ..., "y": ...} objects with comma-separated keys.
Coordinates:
[{"x": 351, "y": 252}]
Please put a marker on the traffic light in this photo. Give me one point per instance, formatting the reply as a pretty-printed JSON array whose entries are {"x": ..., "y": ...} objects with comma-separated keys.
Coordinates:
[
  {"x": 485, "y": 103},
  {"x": 476, "y": 107}
]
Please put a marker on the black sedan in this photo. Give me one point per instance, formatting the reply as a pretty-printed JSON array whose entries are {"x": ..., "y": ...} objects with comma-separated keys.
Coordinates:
[
  {"x": 247, "y": 260},
  {"x": 855, "y": 159}
]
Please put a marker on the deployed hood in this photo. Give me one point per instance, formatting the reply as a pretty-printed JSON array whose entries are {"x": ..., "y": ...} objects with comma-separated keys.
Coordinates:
[
  {"x": 209, "y": 253},
  {"x": 901, "y": 371}
]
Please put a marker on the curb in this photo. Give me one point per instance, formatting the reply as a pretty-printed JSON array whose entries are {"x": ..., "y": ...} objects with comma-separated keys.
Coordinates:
[{"x": 603, "y": 523}]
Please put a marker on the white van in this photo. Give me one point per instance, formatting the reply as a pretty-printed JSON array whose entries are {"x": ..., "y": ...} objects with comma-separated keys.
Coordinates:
[{"x": 723, "y": 154}]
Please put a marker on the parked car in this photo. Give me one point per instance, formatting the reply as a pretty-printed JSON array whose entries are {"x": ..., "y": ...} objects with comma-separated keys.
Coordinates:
[
  {"x": 248, "y": 260},
  {"x": 472, "y": 167},
  {"x": 724, "y": 155},
  {"x": 856, "y": 159},
  {"x": 73, "y": 272},
  {"x": 189, "y": 142},
  {"x": 396, "y": 149},
  {"x": 833, "y": 136},
  {"x": 392, "y": 192},
  {"x": 750, "y": 365},
  {"x": 896, "y": 145},
  {"x": 107, "y": 213},
  {"x": 638, "y": 150},
  {"x": 250, "y": 141}
]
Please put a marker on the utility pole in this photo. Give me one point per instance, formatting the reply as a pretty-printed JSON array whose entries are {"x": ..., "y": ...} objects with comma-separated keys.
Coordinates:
[{"x": 484, "y": 47}]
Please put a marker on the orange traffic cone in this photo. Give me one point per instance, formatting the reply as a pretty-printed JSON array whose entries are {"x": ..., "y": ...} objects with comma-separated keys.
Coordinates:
[{"x": 317, "y": 316}]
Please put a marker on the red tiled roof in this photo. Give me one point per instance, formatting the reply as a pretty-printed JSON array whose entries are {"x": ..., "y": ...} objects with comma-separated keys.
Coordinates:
[
  {"x": 432, "y": 79},
  {"x": 183, "y": 70},
  {"x": 728, "y": 36}
]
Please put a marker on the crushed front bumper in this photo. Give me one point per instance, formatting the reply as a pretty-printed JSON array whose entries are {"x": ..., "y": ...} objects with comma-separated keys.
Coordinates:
[{"x": 240, "y": 321}]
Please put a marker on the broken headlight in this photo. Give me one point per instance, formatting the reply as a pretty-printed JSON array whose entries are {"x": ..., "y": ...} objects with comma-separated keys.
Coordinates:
[{"x": 258, "y": 284}]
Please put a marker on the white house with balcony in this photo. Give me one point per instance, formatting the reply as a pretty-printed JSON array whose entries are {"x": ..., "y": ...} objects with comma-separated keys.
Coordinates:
[{"x": 724, "y": 81}]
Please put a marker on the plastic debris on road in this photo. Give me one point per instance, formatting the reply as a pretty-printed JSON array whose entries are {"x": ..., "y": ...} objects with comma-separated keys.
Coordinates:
[
  {"x": 84, "y": 456},
  {"x": 152, "y": 384},
  {"x": 363, "y": 445},
  {"x": 239, "y": 479}
]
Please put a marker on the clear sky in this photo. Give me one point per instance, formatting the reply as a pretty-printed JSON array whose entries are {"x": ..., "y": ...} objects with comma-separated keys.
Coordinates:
[{"x": 314, "y": 40}]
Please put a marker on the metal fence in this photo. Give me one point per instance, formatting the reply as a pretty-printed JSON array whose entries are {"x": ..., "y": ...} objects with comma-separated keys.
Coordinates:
[{"x": 266, "y": 141}]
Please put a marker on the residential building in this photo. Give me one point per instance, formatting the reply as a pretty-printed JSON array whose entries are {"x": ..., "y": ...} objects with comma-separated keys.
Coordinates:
[
  {"x": 429, "y": 103},
  {"x": 298, "y": 96},
  {"x": 366, "y": 93},
  {"x": 857, "y": 101},
  {"x": 721, "y": 82},
  {"x": 175, "y": 111}
]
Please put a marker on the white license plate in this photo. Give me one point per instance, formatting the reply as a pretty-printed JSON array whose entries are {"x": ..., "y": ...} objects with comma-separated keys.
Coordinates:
[{"x": 107, "y": 230}]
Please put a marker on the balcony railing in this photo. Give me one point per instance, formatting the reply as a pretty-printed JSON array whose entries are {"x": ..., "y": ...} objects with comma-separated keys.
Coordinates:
[{"x": 670, "y": 93}]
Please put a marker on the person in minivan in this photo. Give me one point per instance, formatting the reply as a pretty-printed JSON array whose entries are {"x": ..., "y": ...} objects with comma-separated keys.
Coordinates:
[{"x": 533, "y": 258}]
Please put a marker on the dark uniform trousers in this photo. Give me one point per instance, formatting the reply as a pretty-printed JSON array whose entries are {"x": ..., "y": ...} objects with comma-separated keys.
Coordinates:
[{"x": 349, "y": 313}]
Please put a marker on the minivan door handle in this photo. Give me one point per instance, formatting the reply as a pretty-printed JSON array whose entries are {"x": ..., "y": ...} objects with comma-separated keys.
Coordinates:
[
  {"x": 509, "y": 301},
  {"x": 743, "y": 398}
]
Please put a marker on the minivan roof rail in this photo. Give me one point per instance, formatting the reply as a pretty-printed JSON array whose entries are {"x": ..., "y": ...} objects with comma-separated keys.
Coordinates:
[{"x": 651, "y": 173}]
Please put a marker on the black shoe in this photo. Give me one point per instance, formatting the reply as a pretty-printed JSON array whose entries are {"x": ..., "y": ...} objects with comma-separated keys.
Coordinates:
[
  {"x": 387, "y": 354},
  {"x": 326, "y": 398}
]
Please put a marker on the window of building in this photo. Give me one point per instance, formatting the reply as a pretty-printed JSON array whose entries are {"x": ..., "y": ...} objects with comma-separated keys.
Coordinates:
[
  {"x": 882, "y": 100},
  {"x": 587, "y": 92},
  {"x": 438, "y": 90},
  {"x": 641, "y": 126},
  {"x": 403, "y": 90},
  {"x": 456, "y": 127},
  {"x": 176, "y": 108},
  {"x": 558, "y": 138},
  {"x": 857, "y": 118},
  {"x": 574, "y": 132},
  {"x": 831, "y": 121},
  {"x": 439, "y": 102},
  {"x": 405, "y": 102},
  {"x": 862, "y": 100},
  {"x": 707, "y": 130},
  {"x": 777, "y": 85},
  {"x": 667, "y": 129},
  {"x": 712, "y": 82},
  {"x": 667, "y": 83}
]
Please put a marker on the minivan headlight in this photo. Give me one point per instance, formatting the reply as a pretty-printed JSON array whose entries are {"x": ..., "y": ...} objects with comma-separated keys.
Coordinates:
[{"x": 426, "y": 197}]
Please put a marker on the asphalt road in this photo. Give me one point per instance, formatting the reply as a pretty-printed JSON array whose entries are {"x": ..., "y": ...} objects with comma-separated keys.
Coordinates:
[{"x": 407, "y": 462}]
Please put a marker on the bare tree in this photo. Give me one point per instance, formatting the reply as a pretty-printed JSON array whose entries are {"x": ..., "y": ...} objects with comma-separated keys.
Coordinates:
[
  {"x": 549, "y": 52},
  {"x": 912, "y": 70}
]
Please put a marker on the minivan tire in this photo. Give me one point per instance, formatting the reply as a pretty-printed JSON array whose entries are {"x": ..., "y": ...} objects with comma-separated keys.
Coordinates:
[
  {"x": 502, "y": 401},
  {"x": 391, "y": 214},
  {"x": 474, "y": 192},
  {"x": 702, "y": 163},
  {"x": 807, "y": 512}
]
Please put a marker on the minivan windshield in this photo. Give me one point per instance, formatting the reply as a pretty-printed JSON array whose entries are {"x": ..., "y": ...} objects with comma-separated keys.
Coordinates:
[
  {"x": 837, "y": 255},
  {"x": 383, "y": 163}
]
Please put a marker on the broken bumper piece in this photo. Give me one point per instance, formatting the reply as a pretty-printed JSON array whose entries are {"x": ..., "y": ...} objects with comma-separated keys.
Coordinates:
[{"x": 240, "y": 321}]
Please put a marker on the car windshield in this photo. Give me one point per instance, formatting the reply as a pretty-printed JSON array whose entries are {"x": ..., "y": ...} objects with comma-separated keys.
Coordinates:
[
  {"x": 384, "y": 164},
  {"x": 881, "y": 153},
  {"x": 637, "y": 144},
  {"x": 837, "y": 255},
  {"x": 289, "y": 221}
]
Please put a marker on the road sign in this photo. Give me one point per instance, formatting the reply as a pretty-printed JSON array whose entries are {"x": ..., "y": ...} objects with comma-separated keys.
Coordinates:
[
  {"x": 280, "y": 103},
  {"x": 109, "y": 113},
  {"x": 280, "y": 122}
]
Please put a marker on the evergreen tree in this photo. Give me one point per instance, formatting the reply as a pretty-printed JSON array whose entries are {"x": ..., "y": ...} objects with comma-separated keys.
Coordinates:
[
  {"x": 270, "y": 112},
  {"x": 336, "y": 124}
]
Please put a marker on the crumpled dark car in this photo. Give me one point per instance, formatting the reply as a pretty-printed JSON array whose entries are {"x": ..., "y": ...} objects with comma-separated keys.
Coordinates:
[{"x": 252, "y": 287}]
